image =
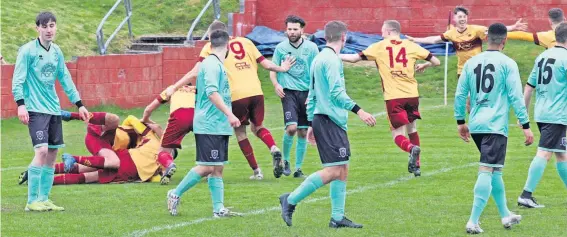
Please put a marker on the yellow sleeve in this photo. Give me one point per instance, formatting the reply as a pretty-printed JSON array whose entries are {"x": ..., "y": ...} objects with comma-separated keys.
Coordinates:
[
  {"x": 205, "y": 52},
  {"x": 447, "y": 36},
  {"x": 162, "y": 97},
  {"x": 420, "y": 52},
  {"x": 134, "y": 122},
  {"x": 481, "y": 32},
  {"x": 520, "y": 35},
  {"x": 253, "y": 51},
  {"x": 545, "y": 39},
  {"x": 370, "y": 53}
]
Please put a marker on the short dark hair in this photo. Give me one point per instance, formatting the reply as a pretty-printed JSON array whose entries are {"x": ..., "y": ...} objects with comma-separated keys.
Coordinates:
[
  {"x": 334, "y": 30},
  {"x": 461, "y": 9},
  {"x": 44, "y": 17},
  {"x": 556, "y": 15},
  {"x": 217, "y": 25},
  {"x": 497, "y": 33},
  {"x": 219, "y": 38},
  {"x": 561, "y": 33},
  {"x": 295, "y": 19}
]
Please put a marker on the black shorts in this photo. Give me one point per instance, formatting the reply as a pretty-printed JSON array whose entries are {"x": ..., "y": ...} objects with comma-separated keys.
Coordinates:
[
  {"x": 332, "y": 141},
  {"x": 552, "y": 137},
  {"x": 294, "y": 108},
  {"x": 46, "y": 130},
  {"x": 211, "y": 149},
  {"x": 492, "y": 149}
]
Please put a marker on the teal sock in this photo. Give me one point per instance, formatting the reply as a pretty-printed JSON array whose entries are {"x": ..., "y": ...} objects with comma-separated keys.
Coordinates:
[
  {"x": 535, "y": 173},
  {"x": 338, "y": 196},
  {"x": 34, "y": 178},
  {"x": 562, "y": 171},
  {"x": 216, "y": 186},
  {"x": 300, "y": 151},
  {"x": 190, "y": 180},
  {"x": 309, "y": 185},
  {"x": 482, "y": 190},
  {"x": 46, "y": 183},
  {"x": 499, "y": 194},
  {"x": 287, "y": 144}
]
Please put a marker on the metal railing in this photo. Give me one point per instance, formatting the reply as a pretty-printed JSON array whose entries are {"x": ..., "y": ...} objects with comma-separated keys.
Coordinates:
[
  {"x": 216, "y": 7},
  {"x": 102, "y": 45}
]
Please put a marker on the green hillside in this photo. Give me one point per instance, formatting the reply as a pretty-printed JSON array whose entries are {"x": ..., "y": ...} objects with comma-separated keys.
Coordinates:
[{"x": 78, "y": 19}]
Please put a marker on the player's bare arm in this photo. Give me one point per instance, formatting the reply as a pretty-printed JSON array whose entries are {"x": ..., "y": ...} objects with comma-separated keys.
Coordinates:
[
  {"x": 426, "y": 40},
  {"x": 277, "y": 87},
  {"x": 433, "y": 62},
  {"x": 351, "y": 58},
  {"x": 190, "y": 77},
  {"x": 286, "y": 65},
  {"x": 149, "y": 110}
]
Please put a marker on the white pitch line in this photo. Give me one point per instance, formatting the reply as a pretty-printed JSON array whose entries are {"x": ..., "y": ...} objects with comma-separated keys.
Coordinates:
[
  {"x": 14, "y": 168},
  {"x": 362, "y": 189}
]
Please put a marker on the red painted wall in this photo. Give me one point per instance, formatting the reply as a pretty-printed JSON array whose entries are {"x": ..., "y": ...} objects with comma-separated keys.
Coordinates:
[
  {"x": 127, "y": 81},
  {"x": 418, "y": 17}
]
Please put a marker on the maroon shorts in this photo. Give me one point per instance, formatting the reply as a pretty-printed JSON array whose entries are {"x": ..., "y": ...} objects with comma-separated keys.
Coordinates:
[
  {"x": 95, "y": 142},
  {"x": 126, "y": 173},
  {"x": 249, "y": 109},
  {"x": 402, "y": 111},
  {"x": 179, "y": 124}
]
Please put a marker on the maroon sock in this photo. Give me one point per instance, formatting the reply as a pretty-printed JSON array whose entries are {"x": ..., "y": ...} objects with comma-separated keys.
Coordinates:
[
  {"x": 75, "y": 116},
  {"x": 165, "y": 159},
  {"x": 91, "y": 161},
  {"x": 265, "y": 135},
  {"x": 248, "y": 153},
  {"x": 69, "y": 179},
  {"x": 414, "y": 139},
  {"x": 60, "y": 169},
  {"x": 403, "y": 143}
]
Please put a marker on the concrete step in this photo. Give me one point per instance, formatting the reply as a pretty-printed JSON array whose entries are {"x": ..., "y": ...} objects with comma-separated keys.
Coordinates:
[
  {"x": 153, "y": 46},
  {"x": 129, "y": 51}
]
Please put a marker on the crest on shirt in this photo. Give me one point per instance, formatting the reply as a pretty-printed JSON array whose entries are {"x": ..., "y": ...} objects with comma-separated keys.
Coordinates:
[
  {"x": 342, "y": 152},
  {"x": 214, "y": 154},
  {"x": 48, "y": 70},
  {"x": 299, "y": 69}
]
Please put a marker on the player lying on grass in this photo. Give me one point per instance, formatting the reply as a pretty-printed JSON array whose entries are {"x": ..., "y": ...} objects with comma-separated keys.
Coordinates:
[
  {"x": 492, "y": 80},
  {"x": 396, "y": 61},
  {"x": 179, "y": 124},
  {"x": 549, "y": 80},
  {"x": 241, "y": 65},
  {"x": 545, "y": 39},
  {"x": 124, "y": 153}
]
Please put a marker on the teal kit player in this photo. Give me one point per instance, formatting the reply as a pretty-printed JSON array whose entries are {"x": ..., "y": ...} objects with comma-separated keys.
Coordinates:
[
  {"x": 292, "y": 87},
  {"x": 549, "y": 79},
  {"x": 40, "y": 62},
  {"x": 493, "y": 82},
  {"x": 213, "y": 125},
  {"x": 327, "y": 109}
]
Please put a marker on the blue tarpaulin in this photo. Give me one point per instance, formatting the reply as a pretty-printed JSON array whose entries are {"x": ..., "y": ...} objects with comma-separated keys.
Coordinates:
[{"x": 266, "y": 40}]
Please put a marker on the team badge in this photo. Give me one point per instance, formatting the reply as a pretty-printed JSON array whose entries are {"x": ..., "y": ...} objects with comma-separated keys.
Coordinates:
[
  {"x": 39, "y": 135},
  {"x": 215, "y": 154},
  {"x": 342, "y": 152}
]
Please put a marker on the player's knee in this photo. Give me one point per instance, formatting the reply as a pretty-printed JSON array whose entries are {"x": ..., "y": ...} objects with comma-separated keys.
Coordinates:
[
  {"x": 561, "y": 157},
  {"x": 240, "y": 134},
  {"x": 111, "y": 121},
  {"x": 254, "y": 129},
  {"x": 291, "y": 129},
  {"x": 41, "y": 152},
  {"x": 217, "y": 171},
  {"x": 91, "y": 177},
  {"x": 544, "y": 154}
]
